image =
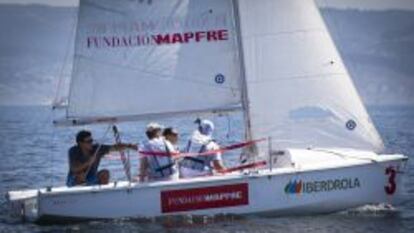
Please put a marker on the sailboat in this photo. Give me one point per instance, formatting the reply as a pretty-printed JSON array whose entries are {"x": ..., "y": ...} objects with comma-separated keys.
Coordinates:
[{"x": 274, "y": 61}]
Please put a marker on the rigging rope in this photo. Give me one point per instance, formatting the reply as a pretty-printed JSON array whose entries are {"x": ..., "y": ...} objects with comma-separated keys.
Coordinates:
[
  {"x": 124, "y": 158},
  {"x": 178, "y": 155},
  {"x": 212, "y": 152},
  {"x": 207, "y": 153},
  {"x": 99, "y": 147}
]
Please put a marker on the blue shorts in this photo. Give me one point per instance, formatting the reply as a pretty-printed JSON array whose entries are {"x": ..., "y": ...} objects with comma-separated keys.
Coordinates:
[{"x": 90, "y": 180}]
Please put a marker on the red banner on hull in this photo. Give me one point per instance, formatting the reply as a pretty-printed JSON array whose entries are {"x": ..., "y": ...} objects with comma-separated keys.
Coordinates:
[{"x": 204, "y": 198}]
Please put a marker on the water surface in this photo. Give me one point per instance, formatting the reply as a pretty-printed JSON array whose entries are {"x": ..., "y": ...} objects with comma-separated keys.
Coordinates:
[{"x": 34, "y": 154}]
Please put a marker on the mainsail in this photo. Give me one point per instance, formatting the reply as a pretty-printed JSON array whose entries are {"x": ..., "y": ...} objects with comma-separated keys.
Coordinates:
[
  {"x": 300, "y": 94},
  {"x": 146, "y": 58}
]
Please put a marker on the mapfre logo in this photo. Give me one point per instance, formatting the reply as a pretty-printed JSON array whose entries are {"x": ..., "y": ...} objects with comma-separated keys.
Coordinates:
[
  {"x": 329, "y": 185},
  {"x": 204, "y": 198}
]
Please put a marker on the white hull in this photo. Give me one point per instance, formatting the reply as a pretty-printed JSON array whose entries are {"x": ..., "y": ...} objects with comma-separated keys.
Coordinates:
[{"x": 329, "y": 183}]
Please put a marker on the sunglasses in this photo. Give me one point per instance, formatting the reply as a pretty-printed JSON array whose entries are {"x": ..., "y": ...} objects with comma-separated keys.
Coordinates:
[{"x": 89, "y": 141}]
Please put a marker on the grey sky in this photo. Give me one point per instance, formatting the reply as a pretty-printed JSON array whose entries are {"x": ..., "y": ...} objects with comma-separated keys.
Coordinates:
[
  {"x": 47, "y": 2},
  {"x": 359, "y": 4},
  {"x": 379, "y": 47}
]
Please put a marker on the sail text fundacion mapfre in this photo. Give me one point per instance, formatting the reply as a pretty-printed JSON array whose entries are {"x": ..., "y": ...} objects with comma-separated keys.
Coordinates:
[{"x": 157, "y": 39}]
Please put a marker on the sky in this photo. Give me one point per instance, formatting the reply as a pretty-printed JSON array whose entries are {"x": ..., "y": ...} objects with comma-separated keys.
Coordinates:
[
  {"x": 378, "y": 45},
  {"x": 358, "y": 4},
  {"x": 46, "y": 2}
]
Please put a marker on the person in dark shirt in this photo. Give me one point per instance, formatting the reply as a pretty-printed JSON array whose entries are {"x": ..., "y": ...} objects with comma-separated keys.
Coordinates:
[{"x": 85, "y": 157}]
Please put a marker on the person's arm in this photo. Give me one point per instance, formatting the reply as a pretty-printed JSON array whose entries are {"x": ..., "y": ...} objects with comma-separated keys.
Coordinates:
[
  {"x": 143, "y": 167},
  {"x": 79, "y": 170},
  {"x": 218, "y": 166},
  {"x": 106, "y": 149},
  {"x": 217, "y": 161},
  {"x": 77, "y": 167},
  {"x": 123, "y": 146}
]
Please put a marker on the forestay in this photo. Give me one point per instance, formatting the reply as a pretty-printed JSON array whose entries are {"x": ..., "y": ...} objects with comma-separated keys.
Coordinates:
[
  {"x": 300, "y": 93},
  {"x": 139, "y": 57}
]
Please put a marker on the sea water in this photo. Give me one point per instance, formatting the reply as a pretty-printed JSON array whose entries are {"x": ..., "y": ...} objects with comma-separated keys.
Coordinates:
[{"x": 33, "y": 154}]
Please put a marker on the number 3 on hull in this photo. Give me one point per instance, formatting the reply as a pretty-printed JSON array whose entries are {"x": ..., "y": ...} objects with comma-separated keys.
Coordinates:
[{"x": 392, "y": 185}]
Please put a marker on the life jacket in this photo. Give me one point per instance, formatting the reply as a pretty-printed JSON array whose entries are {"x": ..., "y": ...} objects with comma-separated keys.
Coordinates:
[
  {"x": 202, "y": 164},
  {"x": 160, "y": 166}
]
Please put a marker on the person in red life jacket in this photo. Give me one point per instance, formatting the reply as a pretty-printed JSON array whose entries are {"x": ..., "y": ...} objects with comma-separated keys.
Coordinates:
[{"x": 202, "y": 141}]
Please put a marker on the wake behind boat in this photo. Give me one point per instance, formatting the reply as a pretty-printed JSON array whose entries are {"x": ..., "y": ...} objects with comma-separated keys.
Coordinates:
[{"x": 272, "y": 60}]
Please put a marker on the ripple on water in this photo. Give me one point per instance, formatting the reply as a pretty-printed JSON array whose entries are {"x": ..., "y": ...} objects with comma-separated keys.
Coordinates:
[{"x": 33, "y": 154}]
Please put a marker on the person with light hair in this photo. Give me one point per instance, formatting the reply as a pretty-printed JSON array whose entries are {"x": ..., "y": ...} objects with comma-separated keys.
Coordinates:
[
  {"x": 156, "y": 156},
  {"x": 202, "y": 141}
]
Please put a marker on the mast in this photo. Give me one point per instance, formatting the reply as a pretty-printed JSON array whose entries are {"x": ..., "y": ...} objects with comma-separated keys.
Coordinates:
[{"x": 244, "y": 90}]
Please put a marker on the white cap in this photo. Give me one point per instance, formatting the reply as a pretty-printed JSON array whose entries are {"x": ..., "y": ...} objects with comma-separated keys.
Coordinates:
[
  {"x": 206, "y": 127},
  {"x": 154, "y": 126}
]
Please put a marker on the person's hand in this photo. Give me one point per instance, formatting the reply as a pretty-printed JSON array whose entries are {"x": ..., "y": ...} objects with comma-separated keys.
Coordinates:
[
  {"x": 80, "y": 178},
  {"x": 141, "y": 178},
  {"x": 123, "y": 146},
  {"x": 132, "y": 146}
]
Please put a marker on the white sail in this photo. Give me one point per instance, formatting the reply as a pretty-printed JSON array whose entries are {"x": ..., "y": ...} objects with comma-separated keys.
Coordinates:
[
  {"x": 300, "y": 93},
  {"x": 144, "y": 57}
]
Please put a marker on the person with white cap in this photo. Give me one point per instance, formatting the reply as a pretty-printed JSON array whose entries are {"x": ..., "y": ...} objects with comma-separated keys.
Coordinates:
[
  {"x": 155, "y": 167},
  {"x": 202, "y": 141}
]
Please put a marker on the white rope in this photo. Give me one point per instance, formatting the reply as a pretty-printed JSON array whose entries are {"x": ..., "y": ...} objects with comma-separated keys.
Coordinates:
[
  {"x": 99, "y": 147},
  {"x": 125, "y": 159}
]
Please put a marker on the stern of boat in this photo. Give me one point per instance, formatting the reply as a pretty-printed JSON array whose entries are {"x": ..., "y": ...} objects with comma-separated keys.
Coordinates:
[
  {"x": 23, "y": 204},
  {"x": 385, "y": 172},
  {"x": 394, "y": 169}
]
